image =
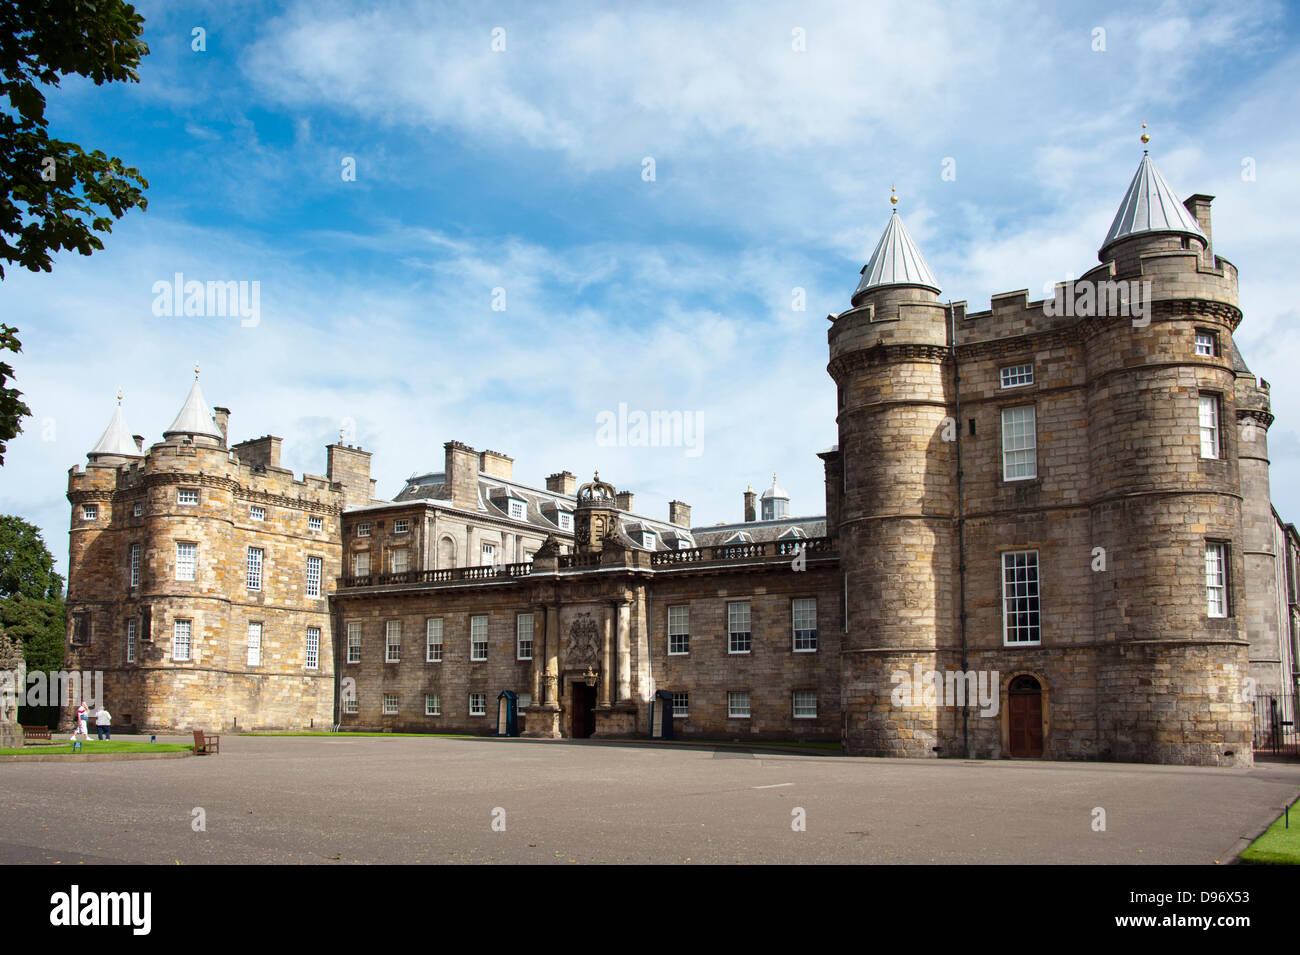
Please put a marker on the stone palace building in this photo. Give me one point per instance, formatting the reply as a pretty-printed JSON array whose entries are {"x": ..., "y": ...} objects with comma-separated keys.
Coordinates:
[{"x": 1047, "y": 532}]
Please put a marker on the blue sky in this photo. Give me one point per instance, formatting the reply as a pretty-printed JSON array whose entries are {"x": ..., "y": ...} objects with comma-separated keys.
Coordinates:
[{"x": 522, "y": 169}]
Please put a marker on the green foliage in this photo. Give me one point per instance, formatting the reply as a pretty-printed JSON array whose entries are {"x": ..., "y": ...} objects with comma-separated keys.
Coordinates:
[
  {"x": 55, "y": 195},
  {"x": 42, "y": 627},
  {"x": 26, "y": 564}
]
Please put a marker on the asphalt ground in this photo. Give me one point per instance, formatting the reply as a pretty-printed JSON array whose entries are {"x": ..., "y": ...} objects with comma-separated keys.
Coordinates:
[{"x": 354, "y": 800}]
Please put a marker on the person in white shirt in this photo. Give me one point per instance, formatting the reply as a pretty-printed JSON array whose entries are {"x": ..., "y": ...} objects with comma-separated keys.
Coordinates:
[{"x": 103, "y": 723}]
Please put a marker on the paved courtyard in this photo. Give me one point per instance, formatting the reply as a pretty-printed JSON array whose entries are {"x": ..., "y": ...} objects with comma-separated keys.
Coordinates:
[{"x": 412, "y": 800}]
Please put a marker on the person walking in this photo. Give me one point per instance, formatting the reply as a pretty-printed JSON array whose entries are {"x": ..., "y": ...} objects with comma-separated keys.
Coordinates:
[
  {"x": 103, "y": 723},
  {"x": 83, "y": 711}
]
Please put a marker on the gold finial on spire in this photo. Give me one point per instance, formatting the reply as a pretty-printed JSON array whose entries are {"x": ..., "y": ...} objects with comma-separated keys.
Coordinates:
[
  {"x": 773, "y": 479},
  {"x": 1145, "y": 138},
  {"x": 196, "y": 369},
  {"x": 119, "y": 396},
  {"x": 893, "y": 199}
]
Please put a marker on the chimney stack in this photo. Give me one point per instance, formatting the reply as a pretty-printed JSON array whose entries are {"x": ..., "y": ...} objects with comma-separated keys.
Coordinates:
[
  {"x": 139, "y": 442},
  {"x": 624, "y": 499},
  {"x": 222, "y": 417},
  {"x": 461, "y": 475},
  {"x": 679, "y": 514},
  {"x": 1199, "y": 206},
  {"x": 751, "y": 505},
  {"x": 562, "y": 482}
]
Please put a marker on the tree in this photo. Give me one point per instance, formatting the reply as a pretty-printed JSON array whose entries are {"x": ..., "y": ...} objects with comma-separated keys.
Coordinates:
[
  {"x": 42, "y": 626},
  {"x": 55, "y": 195},
  {"x": 26, "y": 564}
]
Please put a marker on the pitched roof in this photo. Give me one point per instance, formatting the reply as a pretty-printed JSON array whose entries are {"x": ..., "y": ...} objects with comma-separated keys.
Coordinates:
[
  {"x": 195, "y": 416},
  {"x": 896, "y": 261},
  {"x": 116, "y": 439},
  {"x": 1150, "y": 205}
]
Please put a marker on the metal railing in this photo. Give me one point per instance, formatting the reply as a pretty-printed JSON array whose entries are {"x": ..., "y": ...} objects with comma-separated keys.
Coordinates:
[{"x": 1276, "y": 729}]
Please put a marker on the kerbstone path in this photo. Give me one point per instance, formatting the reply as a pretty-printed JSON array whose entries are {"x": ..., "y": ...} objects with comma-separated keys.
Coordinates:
[{"x": 412, "y": 800}]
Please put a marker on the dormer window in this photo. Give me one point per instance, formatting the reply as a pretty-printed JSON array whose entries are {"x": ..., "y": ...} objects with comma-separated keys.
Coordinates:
[
  {"x": 565, "y": 521},
  {"x": 683, "y": 544},
  {"x": 648, "y": 540},
  {"x": 518, "y": 509}
]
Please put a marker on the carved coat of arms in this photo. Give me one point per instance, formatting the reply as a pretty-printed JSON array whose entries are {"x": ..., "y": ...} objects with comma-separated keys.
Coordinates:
[{"x": 584, "y": 641}]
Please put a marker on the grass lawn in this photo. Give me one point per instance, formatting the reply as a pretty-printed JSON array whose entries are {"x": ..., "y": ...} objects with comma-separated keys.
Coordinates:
[
  {"x": 95, "y": 746},
  {"x": 1277, "y": 846},
  {"x": 343, "y": 736}
]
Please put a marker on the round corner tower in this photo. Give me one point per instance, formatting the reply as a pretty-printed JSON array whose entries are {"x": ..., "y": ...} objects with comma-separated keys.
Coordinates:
[
  {"x": 888, "y": 355},
  {"x": 1167, "y": 490}
]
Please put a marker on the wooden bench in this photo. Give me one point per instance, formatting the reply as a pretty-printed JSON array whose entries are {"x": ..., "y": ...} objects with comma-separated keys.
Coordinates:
[
  {"x": 206, "y": 744},
  {"x": 37, "y": 734}
]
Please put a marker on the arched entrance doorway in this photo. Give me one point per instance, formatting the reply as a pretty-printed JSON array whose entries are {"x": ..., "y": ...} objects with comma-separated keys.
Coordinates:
[{"x": 1025, "y": 717}]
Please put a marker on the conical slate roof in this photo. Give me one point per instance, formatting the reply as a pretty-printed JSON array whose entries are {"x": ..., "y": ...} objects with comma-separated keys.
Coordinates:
[
  {"x": 116, "y": 439},
  {"x": 195, "y": 416},
  {"x": 1150, "y": 205},
  {"x": 896, "y": 261}
]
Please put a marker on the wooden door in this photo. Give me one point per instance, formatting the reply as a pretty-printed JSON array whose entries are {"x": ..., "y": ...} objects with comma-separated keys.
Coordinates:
[{"x": 1025, "y": 714}]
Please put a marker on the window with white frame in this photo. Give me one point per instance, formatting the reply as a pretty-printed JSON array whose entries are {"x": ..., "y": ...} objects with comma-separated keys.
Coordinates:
[
  {"x": 648, "y": 540},
  {"x": 90, "y": 512},
  {"x": 432, "y": 704},
  {"x": 489, "y": 555},
  {"x": 679, "y": 630},
  {"x": 132, "y": 629},
  {"x": 433, "y": 640},
  {"x": 478, "y": 638},
  {"x": 187, "y": 495},
  {"x": 1021, "y": 616},
  {"x": 315, "y": 523},
  {"x": 805, "y": 704},
  {"x": 401, "y": 525},
  {"x": 254, "y": 574},
  {"x": 135, "y": 565},
  {"x": 803, "y": 613},
  {"x": 1019, "y": 444},
  {"x": 137, "y": 510},
  {"x": 390, "y": 704},
  {"x": 524, "y": 636},
  {"x": 354, "y": 642},
  {"x": 313, "y": 648},
  {"x": 363, "y": 530},
  {"x": 254, "y": 657},
  {"x": 182, "y": 634},
  {"x": 351, "y": 706},
  {"x": 478, "y": 704},
  {"x": 738, "y": 634},
  {"x": 525, "y": 701},
  {"x": 566, "y": 521},
  {"x": 1209, "y": 413},
  {"x": 1206, "y": 343},
  {"x": 738, "y": 704},
  {"x": 256, "y": 513},
  {"x": 398, "y": 560},
  {"x": 187, "y": 559},
  {"x": 1017, "y": 375},
  {"x": 517, "y": 510},
  {"x": 683, "y": 544},
  {"x": 681, "y": 706},
  {"x": 393, "y": 641},
  {"x": 1216, "y": 579},
  {"x": 361, "y": 564},
  {"x": 314, "y": 565}
]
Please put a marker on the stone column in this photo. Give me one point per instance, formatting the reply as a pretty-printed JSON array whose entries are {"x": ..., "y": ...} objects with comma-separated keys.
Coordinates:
[
  {"x": 539, "y": 652},
  {"x": 606, "y": 653},
  {"x": 624, "y": 651},
  {"x": 552, "y": 651}
]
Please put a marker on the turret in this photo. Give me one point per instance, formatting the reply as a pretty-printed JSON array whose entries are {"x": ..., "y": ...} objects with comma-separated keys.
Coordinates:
[{"x": 888, "y": 358}]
